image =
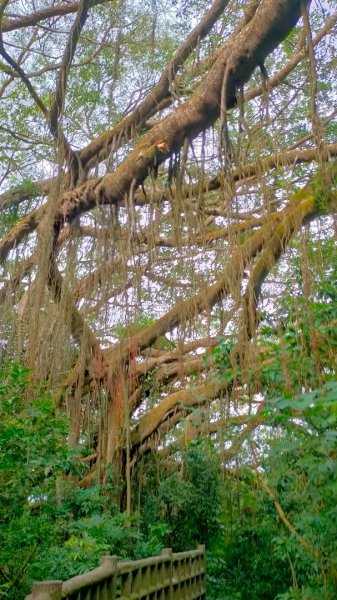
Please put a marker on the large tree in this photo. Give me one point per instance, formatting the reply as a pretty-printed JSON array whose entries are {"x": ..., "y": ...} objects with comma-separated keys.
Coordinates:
[{"x": 157, "y": 161}]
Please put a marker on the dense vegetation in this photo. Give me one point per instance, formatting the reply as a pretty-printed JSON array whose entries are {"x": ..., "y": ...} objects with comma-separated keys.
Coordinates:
[
  {"x": 268, "y": 517},
  {"x": 168, "y": 290}
]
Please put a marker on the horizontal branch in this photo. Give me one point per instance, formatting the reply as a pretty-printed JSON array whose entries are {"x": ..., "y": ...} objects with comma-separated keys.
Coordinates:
[
  {"x": 150, "y": 422},
  {"x": 115, "y": 132},
  {"x": 44, "y": 14},
  {"x": 280, "y": 76},
  {"x": 240, "y": 56},
  {"x": 193, "y": 430},
  {"x": 99, "y": 148},
  {"x": 25, "y": 191}
]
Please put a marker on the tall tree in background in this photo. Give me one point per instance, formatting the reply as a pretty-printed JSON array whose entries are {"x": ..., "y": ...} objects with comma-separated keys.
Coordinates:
[{"x": 158, "y": 159}]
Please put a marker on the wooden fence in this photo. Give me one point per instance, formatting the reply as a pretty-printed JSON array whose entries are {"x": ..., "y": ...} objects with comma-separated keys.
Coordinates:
[{"x": 170, "y": 576}]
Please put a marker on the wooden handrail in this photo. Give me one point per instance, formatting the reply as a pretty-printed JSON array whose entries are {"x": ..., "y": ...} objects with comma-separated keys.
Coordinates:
[{"x": 174, "y": 575}]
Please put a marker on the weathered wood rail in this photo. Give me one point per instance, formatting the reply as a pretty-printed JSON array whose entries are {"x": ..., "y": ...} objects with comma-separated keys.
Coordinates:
[{"x": 170, "y": 576}]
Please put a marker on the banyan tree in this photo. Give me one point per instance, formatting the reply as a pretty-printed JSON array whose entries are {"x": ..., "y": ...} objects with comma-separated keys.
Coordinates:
[{"x": 159, "y": 162}]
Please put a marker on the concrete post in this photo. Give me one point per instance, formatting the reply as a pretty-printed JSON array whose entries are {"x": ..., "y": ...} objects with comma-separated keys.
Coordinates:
[
  {"x": 167, "y": 552},
  {"x": 111, "y": 562},
  {"x": 46, "y": 590}
]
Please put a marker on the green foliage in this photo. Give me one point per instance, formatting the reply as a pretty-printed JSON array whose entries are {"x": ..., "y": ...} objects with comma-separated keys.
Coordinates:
[
  {"x": 187, "y": 500},
  {"x": 258, "y": 557},
  {"x": 54, "y": 529},
  {"x": 243, "y": 563},
  {"x": 8, "y": 218},
  {"x": 49, "y": 528},
  {"x": 301, "y": 464},
  {"x": 29, "y": 447}
]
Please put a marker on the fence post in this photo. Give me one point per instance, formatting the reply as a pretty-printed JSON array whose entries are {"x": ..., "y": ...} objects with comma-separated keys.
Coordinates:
[
  {"x": 46, "y": 590},
  {"x": 202, "y": 547},
  {"x": 112, "y": 562},
  {"x": 168, "y": 552}
]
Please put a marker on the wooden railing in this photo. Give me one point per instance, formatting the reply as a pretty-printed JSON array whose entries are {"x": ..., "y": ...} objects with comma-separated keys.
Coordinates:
[{"x": 170, "y": 576}]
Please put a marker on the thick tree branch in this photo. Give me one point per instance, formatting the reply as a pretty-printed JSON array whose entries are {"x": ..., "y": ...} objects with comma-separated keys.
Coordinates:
[
  {"x": 44, "y": 14},
  {"x": 271, "y": 23},
  {"x": 249, "y": 95},
  {"x": 31, "y": 221},
  {"x": 280, "y": 76},
  {"x": 110, "y": 140}
]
